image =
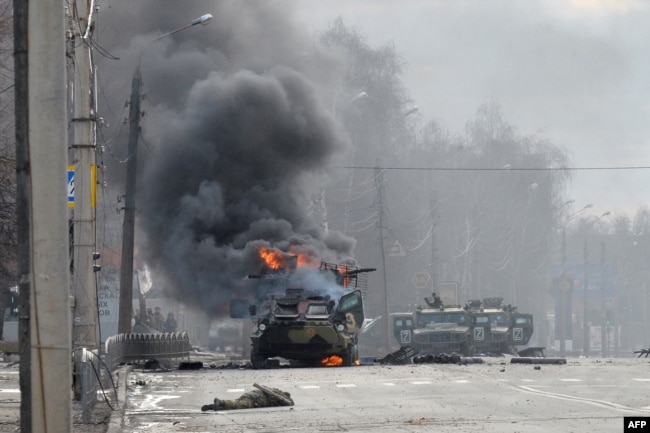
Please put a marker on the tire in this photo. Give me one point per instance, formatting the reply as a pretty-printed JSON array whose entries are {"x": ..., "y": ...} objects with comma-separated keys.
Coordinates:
[
  {"x": 258, "y": 360},
  {"x": 351, "y": 355}
]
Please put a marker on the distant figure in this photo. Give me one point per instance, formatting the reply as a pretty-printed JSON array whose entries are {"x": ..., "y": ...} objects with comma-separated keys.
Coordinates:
[
  {"x": 261, "y": 397},
  {"x": 158, "y": 319},
  {"x": 149, "y": 317},
  {"x": 170, "y": 323}
]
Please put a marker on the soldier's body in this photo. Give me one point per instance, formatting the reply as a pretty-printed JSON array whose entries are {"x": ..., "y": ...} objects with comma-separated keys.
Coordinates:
[{"x": 266, "y": 397}]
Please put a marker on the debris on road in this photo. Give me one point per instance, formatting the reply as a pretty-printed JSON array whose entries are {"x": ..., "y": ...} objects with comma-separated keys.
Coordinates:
[
  {"x": 536, "y": 360},
  {"x": 401, "y": 356}
]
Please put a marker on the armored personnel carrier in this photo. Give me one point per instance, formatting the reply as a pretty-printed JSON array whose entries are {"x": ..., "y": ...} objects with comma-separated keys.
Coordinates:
[
  {"x": 315, "y": 323},
  {"x": 435, "y": 329}
]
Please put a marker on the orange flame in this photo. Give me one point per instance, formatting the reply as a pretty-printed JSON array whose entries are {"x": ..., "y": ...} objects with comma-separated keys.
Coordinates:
[
  {"x": 274, "y": 259},
  {"x": 332, "y": 361},
  {"x": 303, "y": 258}
]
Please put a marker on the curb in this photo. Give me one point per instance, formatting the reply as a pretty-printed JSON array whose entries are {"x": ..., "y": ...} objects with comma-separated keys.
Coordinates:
[{"x": 116, "y": 422}]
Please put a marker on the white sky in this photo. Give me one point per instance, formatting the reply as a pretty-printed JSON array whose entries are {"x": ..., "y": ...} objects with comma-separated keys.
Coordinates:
[{"x": 576, "y": 71}]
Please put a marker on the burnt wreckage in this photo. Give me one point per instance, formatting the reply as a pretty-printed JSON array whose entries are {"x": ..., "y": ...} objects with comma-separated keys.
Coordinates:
[{"x": 311, "y": 316}]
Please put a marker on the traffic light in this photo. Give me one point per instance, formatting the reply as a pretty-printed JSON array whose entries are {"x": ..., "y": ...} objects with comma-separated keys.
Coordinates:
[{"x": 96, "y": 267}]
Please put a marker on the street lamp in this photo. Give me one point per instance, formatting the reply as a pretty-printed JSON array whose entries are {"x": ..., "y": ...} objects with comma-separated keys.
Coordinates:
[
  {"x": 565, "y": 290},
  {"x": 128, "y": 228},
  {"x": 585, "y": 287}
]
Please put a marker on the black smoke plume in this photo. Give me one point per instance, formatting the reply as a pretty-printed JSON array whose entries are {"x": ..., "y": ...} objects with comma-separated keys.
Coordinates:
[{"x": 240, "y": 140}]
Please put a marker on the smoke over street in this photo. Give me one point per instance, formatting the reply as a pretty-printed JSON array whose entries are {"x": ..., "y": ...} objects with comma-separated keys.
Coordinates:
[{"x": 235, "y": 157}]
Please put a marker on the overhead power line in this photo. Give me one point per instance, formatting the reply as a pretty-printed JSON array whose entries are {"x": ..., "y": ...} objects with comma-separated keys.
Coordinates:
[{"x": 358, "y": 167}]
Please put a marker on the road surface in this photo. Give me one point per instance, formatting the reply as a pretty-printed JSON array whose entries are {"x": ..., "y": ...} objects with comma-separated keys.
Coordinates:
[{"x": 585, "y": 395}]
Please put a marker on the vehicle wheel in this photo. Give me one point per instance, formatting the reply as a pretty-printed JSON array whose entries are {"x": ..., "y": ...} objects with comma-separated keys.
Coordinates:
[
  {"x": 351, "y": 355},
  {"x": 258, "y": 360}
]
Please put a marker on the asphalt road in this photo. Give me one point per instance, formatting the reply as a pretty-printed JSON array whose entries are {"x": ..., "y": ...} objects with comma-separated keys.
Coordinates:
[{"x": 585, "y": 395}]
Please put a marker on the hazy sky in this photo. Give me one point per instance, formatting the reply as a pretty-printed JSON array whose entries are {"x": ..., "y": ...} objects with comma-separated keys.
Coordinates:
[{"x": 576, "y": 71}]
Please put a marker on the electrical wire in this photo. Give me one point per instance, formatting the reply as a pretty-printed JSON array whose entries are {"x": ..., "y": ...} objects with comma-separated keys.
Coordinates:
[
  {"x": 99, "y": 380},
  {"x": 624, "y": 167}
]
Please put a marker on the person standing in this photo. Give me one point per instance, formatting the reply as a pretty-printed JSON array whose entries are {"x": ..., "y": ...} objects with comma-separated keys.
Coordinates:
[
  {"x": 158, "y": 319},
  {"x": 170, "y": 323}
]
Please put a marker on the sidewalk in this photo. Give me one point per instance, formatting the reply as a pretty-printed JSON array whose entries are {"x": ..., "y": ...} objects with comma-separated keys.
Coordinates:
[{"x": 106, "y": 418}]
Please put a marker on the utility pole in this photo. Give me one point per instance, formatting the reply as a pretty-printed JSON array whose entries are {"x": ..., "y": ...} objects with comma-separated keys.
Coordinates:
[
  {"x": 379, "y": 183},
  {"x": 128, "y": 228},
  {"x": 43, "y": 237},
  {"x": 604, "y": 326},
  {"x": 585, "y": 301},
  {"x": 585, "y": 293},
  {"x": 85, "y": 325}
]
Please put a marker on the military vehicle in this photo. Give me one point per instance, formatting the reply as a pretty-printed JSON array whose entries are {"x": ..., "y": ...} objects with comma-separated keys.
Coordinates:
[
  {"x": 521, "y": 330},
  {"x": 491, "y": 326},
  {"x": 498, "y": 328},
  {"x": 478, "y": 327},
  {"x": 435, "y": 329},
  {"x": 319, "y": 324}
]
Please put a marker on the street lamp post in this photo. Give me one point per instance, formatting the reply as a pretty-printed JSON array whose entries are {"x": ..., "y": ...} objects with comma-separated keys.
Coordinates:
[
  {"x": 128, "y": 228},
  {"x": 585, "y": 288},
  {"x": 565, "y": 290}
]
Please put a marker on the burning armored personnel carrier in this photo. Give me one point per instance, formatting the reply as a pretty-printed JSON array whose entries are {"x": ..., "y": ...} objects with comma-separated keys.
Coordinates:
[{"x": 309, "y": 315}]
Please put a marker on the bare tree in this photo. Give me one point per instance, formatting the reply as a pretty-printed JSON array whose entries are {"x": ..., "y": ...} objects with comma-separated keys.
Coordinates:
[{"x": 7, "y": 161}]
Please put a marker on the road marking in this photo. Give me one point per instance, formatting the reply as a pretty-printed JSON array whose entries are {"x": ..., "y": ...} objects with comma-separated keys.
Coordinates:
[
  {"x": 235, "y": 390},
  {"x": 641, "y": 379},
  {"x": 461, "y": 381},
  {"x": 389, "y": 384},
  {"x": 598, "y": 403},
  {"x": 571, "y": 380},
  {"x": 310, "y": 387},
  {"x": 528, "y": 380},
  {"x": 10, "y": 390},
  {"x": 346, "y": 385},
  {"x": 421, "y": 382}
]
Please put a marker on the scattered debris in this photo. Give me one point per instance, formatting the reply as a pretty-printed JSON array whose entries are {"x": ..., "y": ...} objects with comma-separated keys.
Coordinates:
[
  {"x": 444, "y": 358},
  {"x": 417, "y": 421},
  {"x": 231, "y": 366},
  {"x": 157, "y": 364},
  {"x": 642, "y": 352},
  {"x": 401, "y": 356},
  {"x": 537, "y": 352},
  {"x": 536, "y": 360},
  {"x": 190, "y": 365}
]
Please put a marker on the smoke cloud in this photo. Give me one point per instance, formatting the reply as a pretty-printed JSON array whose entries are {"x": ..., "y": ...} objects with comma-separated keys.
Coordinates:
[{"x": 240, "y": 141}]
